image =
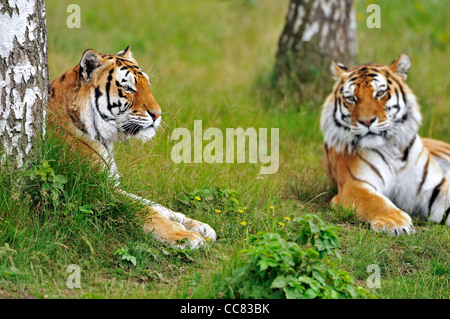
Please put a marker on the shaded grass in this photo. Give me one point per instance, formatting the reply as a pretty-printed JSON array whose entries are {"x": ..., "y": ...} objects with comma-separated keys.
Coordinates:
[{"x": 83, "y": 227}]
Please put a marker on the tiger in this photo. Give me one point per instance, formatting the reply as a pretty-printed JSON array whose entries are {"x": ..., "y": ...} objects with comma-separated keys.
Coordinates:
[
  {"x": 107, "y": 98},
  {"x": 382, "y": 168}
]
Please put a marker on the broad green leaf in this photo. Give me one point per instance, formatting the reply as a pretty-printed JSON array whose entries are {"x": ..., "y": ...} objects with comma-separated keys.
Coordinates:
[{"x": 279, "y": 282}]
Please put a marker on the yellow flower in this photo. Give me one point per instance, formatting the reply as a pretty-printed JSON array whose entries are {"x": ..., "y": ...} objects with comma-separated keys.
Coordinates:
[
  {"x": 197, "y": 198},
  {"x": 281, "y": 224},
  {"x": 240, "y": 211},
  {"x": 287, "y": 218},
  {"x": 243, "y": 223},
  {"x": 245, "y": 208},
  {"x": 207, "y": 239},
  {"x": 271, "y": 207},
  {"x": 316, "y": 236},
  {"x": 217, "y": 210}
]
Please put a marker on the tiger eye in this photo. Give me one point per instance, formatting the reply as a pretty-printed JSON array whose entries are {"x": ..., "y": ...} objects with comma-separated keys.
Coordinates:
[
  {"x": 351, "y": 99},
  {"x": 380, "y": 93}
]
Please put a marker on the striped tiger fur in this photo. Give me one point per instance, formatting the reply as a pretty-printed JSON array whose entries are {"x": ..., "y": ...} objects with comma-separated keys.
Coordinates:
[
  {"x": 372, "y": 151},
  {"x": 106, "y": 98}
]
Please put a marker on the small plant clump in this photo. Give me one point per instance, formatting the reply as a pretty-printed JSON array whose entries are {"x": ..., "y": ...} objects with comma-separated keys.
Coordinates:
[
  {"x": 51, "y": 184},
  {"x": 293, "y": 264}
]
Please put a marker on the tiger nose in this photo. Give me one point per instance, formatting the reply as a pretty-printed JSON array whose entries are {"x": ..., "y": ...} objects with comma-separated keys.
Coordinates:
[
  {"x": 154, "y": 115},
  {"x": 367, "y": 122}
]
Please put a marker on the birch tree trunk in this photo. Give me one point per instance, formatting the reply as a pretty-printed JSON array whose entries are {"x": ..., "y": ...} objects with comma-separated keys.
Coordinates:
[
  {"x": 23, "y": 77},
  {"x": 316, "y": 31}
]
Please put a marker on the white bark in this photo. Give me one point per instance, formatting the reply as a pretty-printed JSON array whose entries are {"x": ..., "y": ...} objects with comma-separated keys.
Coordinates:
[
  {"x": 23, "y": 75},
  {"x": 316, "y": 31}
]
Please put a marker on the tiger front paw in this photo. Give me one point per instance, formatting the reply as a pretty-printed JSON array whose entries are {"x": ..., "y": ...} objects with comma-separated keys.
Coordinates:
[
  {"x": 166, "y": 230},
  {"x": 206, "y": 231},
  {"x": 187, "y": 238},
  {"x": 393, "y": 223},
  {"x": 203, "y": 229}
]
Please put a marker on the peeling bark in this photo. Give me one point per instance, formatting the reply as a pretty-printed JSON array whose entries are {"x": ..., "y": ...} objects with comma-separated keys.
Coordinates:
[
  {"x": 23, "y": 76},
  {"x": 316, "y": 31}
]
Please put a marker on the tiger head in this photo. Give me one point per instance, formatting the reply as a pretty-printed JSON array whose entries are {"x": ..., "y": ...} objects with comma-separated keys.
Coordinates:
[
  {"x": 122, "y": 104},
  {"x": 371, "y": 105}
]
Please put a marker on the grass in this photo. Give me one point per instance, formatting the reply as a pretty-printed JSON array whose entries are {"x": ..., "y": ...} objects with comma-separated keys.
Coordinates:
[{"x": 211, "y": 61}]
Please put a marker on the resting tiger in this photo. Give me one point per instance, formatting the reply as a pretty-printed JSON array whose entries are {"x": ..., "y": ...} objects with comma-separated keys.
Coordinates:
[
  {"x": 372, "y": 151},
  {"x": 106, "y": 98}
]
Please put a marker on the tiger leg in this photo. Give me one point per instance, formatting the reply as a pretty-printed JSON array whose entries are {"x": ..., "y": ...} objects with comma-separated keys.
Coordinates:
[
  {"x": 438, "y": 203},
  {"x": 191, "y": 224},
  {"x": 433, "y": 195},
  {"x": 373, "y": 207},
  {"x": 202, "y": 229},
  {"x": 172, "y": 232}
]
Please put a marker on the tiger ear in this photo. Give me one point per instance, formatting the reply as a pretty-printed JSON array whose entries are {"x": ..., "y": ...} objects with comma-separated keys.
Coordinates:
[
  {"x": 90, "y": 61},
  {"x": 126, "y": 53},
  {"x": 337, "y": 69},
  {"x": 401, "y": 66}
]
